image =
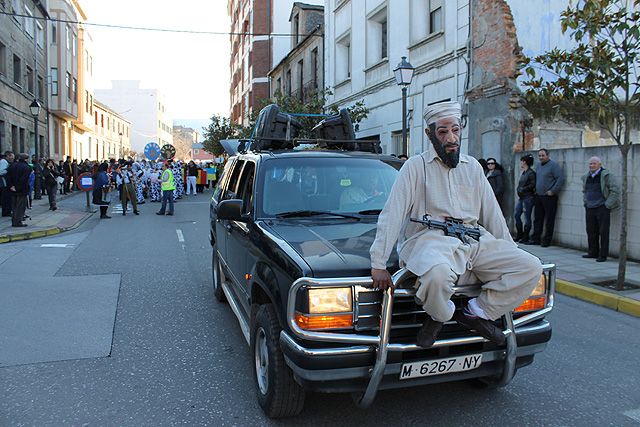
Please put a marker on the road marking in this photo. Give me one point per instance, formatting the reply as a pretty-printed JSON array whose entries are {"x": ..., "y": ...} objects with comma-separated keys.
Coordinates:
[
  {"x": 56, "y": 245},
  {"x": 180, "y": 235},
  {"x": 634, "y": 414}
]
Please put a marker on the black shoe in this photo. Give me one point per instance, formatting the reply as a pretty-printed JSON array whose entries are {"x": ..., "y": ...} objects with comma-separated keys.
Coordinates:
[
  {"x": 54, "y": 208},
  {"x": 159, "y": 213},
  {"x": 20, "y": 225},
  {"x": 105, "y": 217},
  {"x": 170, "y": 214},
  {"x": 124, "y": 213},
  {"x": 428, "y": 333},
  {"x": 486, "y": 328},
  {"x": 136, "y": 212},
  {"x": 530, "y": 242},
  {"x": 601, "y": 259},
  {"x": 545, "y": 245},
  {"x": 589, "y": 256}
]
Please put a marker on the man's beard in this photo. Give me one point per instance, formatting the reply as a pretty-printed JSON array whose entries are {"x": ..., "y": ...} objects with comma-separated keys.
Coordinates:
[{"x": 450, "y": 159}]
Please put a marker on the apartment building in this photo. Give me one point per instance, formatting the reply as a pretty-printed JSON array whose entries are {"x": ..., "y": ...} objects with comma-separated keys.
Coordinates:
[
  {"x": 183, "y": 140},
  {"x": 145, "y": 109},
  {"x": 260, "y": 37},
  {"x": 301, "y": 72},
  {"x": 23, "y": 75},
  {"x": 111, "y": 134}
]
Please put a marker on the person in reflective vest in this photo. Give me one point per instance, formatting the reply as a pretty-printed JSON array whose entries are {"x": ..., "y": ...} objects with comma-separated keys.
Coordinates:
[{"x": 168, "y": 186}]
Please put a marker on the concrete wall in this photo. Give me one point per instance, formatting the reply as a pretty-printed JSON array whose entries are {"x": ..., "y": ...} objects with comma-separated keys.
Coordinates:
[{"x": 570, "y": 229}]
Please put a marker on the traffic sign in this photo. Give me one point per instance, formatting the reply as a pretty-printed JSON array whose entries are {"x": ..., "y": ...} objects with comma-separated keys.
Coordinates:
[
  {"x": 152, "y": 151},
  {"x": 85, "y": 182}
]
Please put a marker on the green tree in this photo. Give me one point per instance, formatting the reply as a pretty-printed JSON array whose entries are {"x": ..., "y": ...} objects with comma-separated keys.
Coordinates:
[
  {"x": 595, "y": 82},
  {"x": 219, "y": 128}
]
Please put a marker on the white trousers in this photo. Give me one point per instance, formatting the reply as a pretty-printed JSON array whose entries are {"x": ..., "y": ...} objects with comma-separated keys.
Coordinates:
[
  {"x": 191, "y": 183},
  {"x": 509, "y": 275}
]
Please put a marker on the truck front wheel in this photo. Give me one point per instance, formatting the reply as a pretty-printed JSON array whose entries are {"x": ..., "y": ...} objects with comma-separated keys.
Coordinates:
[{"x": 278, "y": 393}]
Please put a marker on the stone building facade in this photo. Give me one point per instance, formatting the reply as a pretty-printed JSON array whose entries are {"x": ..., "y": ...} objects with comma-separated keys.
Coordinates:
[{"x": 23, "y": 75}]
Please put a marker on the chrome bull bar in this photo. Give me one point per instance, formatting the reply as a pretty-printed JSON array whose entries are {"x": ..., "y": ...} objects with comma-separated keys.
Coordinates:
[{"x": 381, "y": 341}]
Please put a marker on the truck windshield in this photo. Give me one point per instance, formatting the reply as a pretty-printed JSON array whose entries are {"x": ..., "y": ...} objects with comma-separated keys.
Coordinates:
[{"x": 327, "y": 184}]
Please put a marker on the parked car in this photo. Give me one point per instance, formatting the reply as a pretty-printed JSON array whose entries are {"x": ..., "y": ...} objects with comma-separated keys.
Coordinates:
[{"x": 291, "y": 232}]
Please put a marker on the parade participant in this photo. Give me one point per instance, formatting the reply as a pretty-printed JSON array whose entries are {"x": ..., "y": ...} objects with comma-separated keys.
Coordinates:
[
  {"x": 126, "y": 181},
  {"x": 446, "y": 184},
  {"x": 139, "y": 173},
  {"x": 176, "y": 168},
  {"x": 155, "y": 191},
  {"x": 192, "y": 177},
  {"x": 168, "y": 187}
]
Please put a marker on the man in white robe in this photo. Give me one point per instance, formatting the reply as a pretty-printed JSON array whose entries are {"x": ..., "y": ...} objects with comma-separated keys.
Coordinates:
[{"x": 444, "y": 183}]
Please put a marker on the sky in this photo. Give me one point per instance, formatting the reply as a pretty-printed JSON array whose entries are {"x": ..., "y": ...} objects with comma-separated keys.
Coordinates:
[{"x": 191, "y": 70}]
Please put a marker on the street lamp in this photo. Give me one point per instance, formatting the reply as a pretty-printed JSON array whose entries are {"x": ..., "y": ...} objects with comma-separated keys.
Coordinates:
[
  {"x": 404, "y": 75},
  {"x": 35, "y": 111}
]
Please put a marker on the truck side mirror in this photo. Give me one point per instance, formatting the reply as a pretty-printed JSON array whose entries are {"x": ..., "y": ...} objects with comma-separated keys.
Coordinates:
[{"x": 231, "y": 210}]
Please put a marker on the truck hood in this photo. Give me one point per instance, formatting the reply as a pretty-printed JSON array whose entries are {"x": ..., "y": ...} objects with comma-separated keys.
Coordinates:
[{"x": 332, "y": 248}]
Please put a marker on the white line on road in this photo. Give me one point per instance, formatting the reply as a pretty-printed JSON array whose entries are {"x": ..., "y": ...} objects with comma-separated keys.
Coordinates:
[
  {"x": 180, "y": 235},
  {"x": 56, "y": 245},
  {"x": 634, "y": 414}
]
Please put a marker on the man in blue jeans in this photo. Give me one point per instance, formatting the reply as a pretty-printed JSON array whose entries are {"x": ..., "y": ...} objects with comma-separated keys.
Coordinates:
[{"x": 168, "y": 186}]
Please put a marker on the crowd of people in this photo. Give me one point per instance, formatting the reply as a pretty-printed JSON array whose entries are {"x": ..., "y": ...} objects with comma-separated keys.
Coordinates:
[{"x": 134, "y": 181}]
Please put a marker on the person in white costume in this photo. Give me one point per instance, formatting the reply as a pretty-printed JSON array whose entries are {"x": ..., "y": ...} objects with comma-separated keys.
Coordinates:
[{"x": 443, "y": 183}]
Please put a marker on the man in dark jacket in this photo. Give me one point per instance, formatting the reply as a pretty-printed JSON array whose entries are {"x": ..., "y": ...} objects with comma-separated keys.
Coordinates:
[
  {"x": 18, "y": 182},
  {"x": 5, "y": 194},
  {"x": 601, "y": 195},
  {"x": 68, "y": 175},
  {"x": 549, "y": 182}
]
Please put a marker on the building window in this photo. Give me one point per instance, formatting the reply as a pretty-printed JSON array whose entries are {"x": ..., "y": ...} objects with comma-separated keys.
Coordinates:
[
  {"x": 96, "y": 116},
  {"x": 17, "y": 70},
  {"x": 196, "y": 151},
  {"x": 435, "y": 16},
  {"x": 54, "y": 33},
  {"x": 68, "y": 85},
  {"x": 343, "y": 58},
  {"x": 40, "y": 35},
  {"x": 279, "y": 85},
  {"x": 314, "y": 68},
  {"x": 30, "y": 80},
  {"x": 301, "y": 80},
  {"x": 102, "y": 120},
  {"x": 54, "y": 82},
  {"x": 14, "y": 139},
  {"x": 68, "y": 37},
  {"x": 22, "y": 136},
  {"x": 287, "y": 83},
  {"x": 2, "y": 142},
  {"x": 75, "y": 91},
  {"x": 86, "y": 101},
  {"x": 296, "y": 30},
  {"x": 3, "y": 59},
  {"x": 377, "y": 37},
  {"x": 90, "y": 104},
  {"x": 40, "y": 88},
  {"x": 74, "y": 44},
  {"x": 28, "y": 22}
]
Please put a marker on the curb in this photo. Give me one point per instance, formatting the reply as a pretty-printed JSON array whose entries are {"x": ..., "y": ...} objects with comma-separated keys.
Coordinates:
[
  {"x": 606, "y": 299},
  {"x": 6, "y": 238}
]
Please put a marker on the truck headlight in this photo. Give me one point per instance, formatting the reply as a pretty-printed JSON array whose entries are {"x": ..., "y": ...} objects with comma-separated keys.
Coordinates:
[
  {"x": 329, "y": 308},
  {"x": 330, "y": 300},
  {"x": 538, "y": 298}
]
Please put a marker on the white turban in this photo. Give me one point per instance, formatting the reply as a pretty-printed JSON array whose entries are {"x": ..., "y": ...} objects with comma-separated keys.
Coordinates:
[{"x": 441, "y": 110}]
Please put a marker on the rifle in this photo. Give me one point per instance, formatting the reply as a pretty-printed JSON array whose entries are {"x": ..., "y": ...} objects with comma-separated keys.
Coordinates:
[{"x": 451, "y": 227}]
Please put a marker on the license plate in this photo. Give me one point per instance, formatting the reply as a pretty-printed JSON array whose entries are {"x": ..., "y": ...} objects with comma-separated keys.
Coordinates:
[{"x": 440, "y": 366}]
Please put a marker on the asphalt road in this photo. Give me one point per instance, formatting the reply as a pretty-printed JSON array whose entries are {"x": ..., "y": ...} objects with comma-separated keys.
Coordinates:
[{"x": 116, "y": 324}]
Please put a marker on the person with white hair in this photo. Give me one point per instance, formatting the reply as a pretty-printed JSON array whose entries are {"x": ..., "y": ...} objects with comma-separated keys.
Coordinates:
[
  {"x": 446, "y": 184},
  {"x": 601, "y": 195}
]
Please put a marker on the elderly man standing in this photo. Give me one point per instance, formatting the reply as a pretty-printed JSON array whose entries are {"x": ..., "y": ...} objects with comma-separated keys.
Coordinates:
[
  {"x": 601, "y": 195},
  {"x": 446, "y": 184},
  {"x": 18, "y": 182}
]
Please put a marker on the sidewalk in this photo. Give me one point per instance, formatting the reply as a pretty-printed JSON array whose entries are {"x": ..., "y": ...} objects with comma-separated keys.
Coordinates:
[
  {"x": 576, "y": 276},
  {"x": 70, "y": 214}
]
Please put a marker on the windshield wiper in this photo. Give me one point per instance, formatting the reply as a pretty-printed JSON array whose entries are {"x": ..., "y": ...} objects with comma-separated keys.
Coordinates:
[
  {"x": 308, "y": 213},
  {"x": 370, "y": 212}
]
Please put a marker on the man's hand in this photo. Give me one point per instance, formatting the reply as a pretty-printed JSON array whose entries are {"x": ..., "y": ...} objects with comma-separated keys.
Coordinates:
[{"x": 381, "y": 279}]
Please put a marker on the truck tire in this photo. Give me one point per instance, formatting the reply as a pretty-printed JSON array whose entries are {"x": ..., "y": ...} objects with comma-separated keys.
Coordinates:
[
  {"x": 217, "y": 275},
  {"x": 279, "y": 395}
]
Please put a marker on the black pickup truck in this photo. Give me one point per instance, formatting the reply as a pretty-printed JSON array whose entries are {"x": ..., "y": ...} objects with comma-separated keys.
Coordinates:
[{"x": 291, "y": 231}]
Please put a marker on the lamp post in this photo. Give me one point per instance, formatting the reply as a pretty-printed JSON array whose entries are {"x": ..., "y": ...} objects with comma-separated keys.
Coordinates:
[
  {"x": 404, "y": 75},
  {"x": 35, "y": 111}
]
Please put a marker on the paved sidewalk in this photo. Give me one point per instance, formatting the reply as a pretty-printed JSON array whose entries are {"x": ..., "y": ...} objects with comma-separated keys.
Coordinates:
[
  {"x": 70, "y": 214},
  {"x": 576, "y": 277}
]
